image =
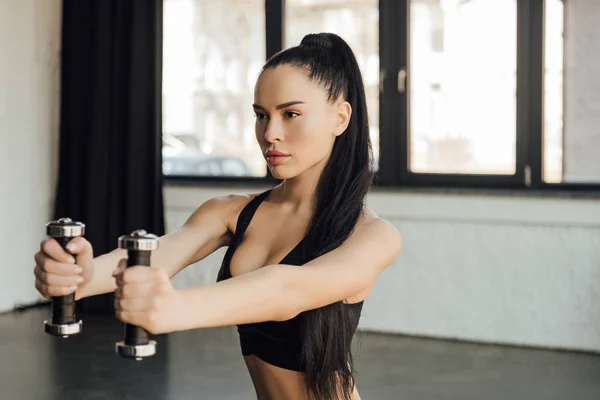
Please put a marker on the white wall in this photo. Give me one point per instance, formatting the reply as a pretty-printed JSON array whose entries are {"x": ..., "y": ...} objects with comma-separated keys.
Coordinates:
[
  {"x": 29, "y": 78},
  {"x": 505, "y": 269}
]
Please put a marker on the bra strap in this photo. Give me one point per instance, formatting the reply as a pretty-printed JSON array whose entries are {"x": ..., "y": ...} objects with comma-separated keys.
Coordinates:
[
  {"x": 242, "y": 224},
  {"x": 248, "y": 212}
]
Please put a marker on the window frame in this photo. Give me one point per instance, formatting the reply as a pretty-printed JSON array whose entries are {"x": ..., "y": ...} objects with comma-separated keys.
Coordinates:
[{"x": 394, "y": 150}]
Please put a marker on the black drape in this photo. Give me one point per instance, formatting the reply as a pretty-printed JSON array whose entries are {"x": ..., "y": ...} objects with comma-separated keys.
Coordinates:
[{"x": 110, "y": 174}]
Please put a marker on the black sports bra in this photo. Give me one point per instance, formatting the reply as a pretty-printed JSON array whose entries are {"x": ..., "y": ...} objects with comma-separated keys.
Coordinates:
[{"x": 278, "y": 343}]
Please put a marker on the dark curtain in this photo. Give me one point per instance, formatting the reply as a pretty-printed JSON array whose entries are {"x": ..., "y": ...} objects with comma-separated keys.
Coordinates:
[{"x": 110, "y": 174}]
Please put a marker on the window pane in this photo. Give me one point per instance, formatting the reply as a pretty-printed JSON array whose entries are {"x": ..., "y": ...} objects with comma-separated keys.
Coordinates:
[
  {"x": 357, "y": 22},
  {"x": 572, "y": 116},
  {"x": 462, "y": 73},
  {"x": 209, "y": 73}
]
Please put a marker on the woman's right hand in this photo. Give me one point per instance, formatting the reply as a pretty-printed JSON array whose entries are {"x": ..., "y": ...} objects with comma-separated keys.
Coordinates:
[{"x": 59, "y": 272}]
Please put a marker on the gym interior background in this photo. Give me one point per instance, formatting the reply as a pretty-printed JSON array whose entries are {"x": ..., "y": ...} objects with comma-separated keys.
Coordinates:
[{"x": 491, "y": 176}]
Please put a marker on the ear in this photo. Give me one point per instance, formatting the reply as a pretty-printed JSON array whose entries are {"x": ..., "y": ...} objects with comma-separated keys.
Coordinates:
[{"x": 343, "y": 114}]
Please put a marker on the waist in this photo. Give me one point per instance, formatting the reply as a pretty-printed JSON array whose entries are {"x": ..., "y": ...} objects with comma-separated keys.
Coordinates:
[{"x": 282, "y": 351}]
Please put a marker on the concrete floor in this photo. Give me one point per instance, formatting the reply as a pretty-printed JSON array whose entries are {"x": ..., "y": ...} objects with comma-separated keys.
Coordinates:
[{"x": 206, "y": 364}]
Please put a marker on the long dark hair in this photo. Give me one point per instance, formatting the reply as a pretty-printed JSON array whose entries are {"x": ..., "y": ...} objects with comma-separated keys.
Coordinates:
[{"x": 338, "y": 205}]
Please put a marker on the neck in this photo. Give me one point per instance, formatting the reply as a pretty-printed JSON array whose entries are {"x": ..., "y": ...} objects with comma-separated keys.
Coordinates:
[{"x": 298, "y": 192}]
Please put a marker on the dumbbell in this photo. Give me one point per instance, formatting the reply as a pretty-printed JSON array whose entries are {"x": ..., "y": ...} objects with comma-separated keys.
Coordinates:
[
  {"x": 139, "y": 245},
  {"x": 64, "y": 322}
]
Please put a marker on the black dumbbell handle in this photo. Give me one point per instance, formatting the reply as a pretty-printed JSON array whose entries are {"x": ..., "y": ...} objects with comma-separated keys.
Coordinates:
[
  {"x": 134, "y": 335},
  {"x": 63, "y": 307}
]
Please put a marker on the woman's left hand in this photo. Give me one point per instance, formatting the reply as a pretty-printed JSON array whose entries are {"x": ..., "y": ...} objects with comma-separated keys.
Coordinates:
[{"x": 145, "y": 297}]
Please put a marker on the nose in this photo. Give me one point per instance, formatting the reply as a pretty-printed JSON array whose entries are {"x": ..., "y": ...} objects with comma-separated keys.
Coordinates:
[{"x": 273, "y": 132}]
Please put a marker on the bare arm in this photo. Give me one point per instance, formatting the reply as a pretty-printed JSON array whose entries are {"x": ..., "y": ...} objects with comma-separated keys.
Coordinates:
[
  {"x": 279, "y": 292},
  {"x": 205, "y": 231}
]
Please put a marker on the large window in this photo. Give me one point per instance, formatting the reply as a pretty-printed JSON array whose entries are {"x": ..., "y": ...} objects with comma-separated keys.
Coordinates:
[
  {"x": 463, "y": 93},
  {"x": 463, "y": 86},
  {"x": 553, "y": 92},
  {"x": 212, "y": 55}
]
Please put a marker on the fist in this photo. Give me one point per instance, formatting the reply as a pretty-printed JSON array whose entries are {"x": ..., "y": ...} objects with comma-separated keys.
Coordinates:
[
  {"x": 145, "y": 297},
  {"x": 59, "y": 272}
]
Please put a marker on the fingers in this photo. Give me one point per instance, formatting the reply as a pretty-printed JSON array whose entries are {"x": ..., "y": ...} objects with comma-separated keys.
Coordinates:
[
  {"x": 80, "y": 247},
  {"x": 53, "y": 279},
  {"x": 141, "y": 295},
  {"x": 53, "y": 291},
  {"x": 146, "y": 312},
  {"x": 84, "y": 252},
  {"x": 136, "y": 304},
  {"x": 122, "y": 264},
  {"x": 134, "y": 290},
  {"x": 77, "y": 247},
  {"x": 41, "y": 288},
  {"x": 51, "y": 266},
  {"x": 139, "y": 274},
  {"x": 52, "y": 249},
  {"x": 56, "y": 273}
]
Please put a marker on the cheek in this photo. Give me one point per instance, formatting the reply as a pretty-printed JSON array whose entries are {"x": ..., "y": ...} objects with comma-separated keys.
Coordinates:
[
  {"x": 312, "y": 136},
  {"x": 303, "y": 131},
  {"x": 259, "y": 131}
]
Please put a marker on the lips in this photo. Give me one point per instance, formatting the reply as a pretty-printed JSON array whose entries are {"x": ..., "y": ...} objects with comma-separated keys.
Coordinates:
[
  {"x": 276, "y": 157},
  {"x": 276, "y": 153}
]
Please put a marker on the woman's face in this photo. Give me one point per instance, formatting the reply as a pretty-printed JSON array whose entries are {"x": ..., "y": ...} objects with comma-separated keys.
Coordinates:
[{"x": 295, "y": 124}]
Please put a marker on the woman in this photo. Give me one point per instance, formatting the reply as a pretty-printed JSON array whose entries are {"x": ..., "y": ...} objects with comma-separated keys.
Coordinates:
[{"x": 296, "y": 323}]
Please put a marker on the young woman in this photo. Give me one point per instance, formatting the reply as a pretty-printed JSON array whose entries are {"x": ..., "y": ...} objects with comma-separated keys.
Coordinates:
[{"x": 302, "y": 256}]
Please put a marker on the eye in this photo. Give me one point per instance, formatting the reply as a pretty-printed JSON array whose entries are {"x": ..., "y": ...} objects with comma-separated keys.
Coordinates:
[
  {"x": 260, "y": 116},
  {"x": 291, "y": 114}
]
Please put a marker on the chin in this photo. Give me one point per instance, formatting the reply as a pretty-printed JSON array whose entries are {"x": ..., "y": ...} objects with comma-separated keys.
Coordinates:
[{"x": 281, "y": 173}]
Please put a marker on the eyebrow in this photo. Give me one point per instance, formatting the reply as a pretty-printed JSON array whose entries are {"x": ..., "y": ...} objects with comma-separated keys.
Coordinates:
[{"x": 280, "y": 106}]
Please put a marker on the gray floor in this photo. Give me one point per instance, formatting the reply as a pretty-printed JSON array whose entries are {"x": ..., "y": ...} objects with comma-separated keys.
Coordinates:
[{"x": 206, "y": 364}]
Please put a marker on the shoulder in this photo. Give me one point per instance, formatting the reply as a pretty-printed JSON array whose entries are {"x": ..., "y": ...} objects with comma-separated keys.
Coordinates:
[
  {"x": 373, "y": 231},
  {"x": 228, "y": 203},
  {"x": 372, "y": 222},
  {"x": 226, "y": 208}
]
